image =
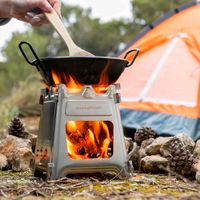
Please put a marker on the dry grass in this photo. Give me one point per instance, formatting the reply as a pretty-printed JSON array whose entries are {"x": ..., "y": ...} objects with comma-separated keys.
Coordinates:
[
  {"x": 23, "y": 101},
  {"x": 96, "y": 186}
]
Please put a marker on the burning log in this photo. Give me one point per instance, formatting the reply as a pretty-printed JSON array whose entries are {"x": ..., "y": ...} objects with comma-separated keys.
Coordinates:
[
  {"x": 88, "y": 139},
  {"x": 82, "y": 151}
]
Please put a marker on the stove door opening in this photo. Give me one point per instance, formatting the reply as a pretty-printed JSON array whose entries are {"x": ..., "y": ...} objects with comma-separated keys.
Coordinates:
[{"x": 89, "y": 139}]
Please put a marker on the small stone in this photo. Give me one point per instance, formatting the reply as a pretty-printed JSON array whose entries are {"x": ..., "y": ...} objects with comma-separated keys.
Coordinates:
[
  {"x": 154, "y": 164},
  {"x": 18, "y": 152},
  {"x": 128, "y": 144},
  {"x": 197, "y": 177},
  {"x": 187, "y": 141},
  {"x": 142, "y": 154},
  {"x": 135, "y": 158},
  {"x": 197, "y": 166},
  {"x": 3, "y": 162},
  {"x": 154, "y": 147},
  {"x": 147, "y": 142},
  {"x": 169, "y": 147},
  {"x": 22, "y": 159},
  {"x": 197, "y": 150},
  {"x": 33, "y": 139}
]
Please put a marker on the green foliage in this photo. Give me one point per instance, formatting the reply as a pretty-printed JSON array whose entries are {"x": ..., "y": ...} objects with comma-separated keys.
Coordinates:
[
  {"x": 146, "y": 11},
  {"x": 16, "y": 69},
  {"x": 88, "y": 33},
  {"x": 98, "y": 38}
]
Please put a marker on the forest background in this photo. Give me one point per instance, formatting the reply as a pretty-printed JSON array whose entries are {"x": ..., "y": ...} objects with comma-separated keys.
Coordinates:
[{"x": 20, "y": 83}]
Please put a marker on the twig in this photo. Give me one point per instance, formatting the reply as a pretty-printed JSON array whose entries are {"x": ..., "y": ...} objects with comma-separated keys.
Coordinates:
[
  {"x": 97, "y": 194},
  {"x": 94, "y": 179},
  {"x": 121, "y": 194},
  {"x": 130, "y": 154},
  {"x": 75, "y": 186},
  {"x": 83, "y": 194},
  {"x": 31, "y": 192},
  {"x": 117, "y": 194},
  {"x": 58, "y": 180},
  {"x": 174, "y": 173},
  {"x": 40, "y": 193},
  {"x": 117, "y": 175},
  {"x": 91, "y": 186},
  {"x": 190, "y": 189},
  {"x": 3, "y": 194},
  {"x": 179, "y": 187}
]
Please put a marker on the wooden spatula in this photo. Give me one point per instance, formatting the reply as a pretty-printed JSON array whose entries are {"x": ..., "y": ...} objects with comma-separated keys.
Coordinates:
[{"x": 57, "y": 23}]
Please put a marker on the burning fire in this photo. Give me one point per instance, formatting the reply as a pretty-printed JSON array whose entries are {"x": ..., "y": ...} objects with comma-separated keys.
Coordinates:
[
  {"x": 74, "y": 86},
  {"x": 89, "y": 139}
]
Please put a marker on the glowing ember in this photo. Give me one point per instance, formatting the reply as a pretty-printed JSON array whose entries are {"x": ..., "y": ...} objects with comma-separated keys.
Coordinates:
[{"x": 89, "y": 139}]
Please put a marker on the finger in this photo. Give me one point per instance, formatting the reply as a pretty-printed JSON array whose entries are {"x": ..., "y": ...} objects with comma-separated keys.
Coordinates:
[
  {"x": 42, "y": 17},
  {"x": 31, "y": 19},
  {"x": 25, "y": 19},
  {"x": 35, "y": 19},
  {"x": 44, "y": 5},
  {"x": 56, "y": 6},
  {"x": 30, "y": 14}
]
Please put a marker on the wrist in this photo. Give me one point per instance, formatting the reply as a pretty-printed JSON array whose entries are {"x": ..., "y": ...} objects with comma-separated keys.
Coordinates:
[{"x": 5, "y": 9}]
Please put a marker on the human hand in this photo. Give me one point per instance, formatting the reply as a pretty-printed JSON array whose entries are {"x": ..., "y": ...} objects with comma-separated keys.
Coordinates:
[{"x": 24, "y": 10}]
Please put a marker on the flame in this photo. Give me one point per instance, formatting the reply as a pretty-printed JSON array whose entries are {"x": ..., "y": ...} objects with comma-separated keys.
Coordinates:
[
  {"x": 74, "y": 86},
  {"x": 89, "y": 139},
  {"x": 71, "y": 83},
  {"x": 56, "y": 78},
  {"x": 102, "y": 86}
]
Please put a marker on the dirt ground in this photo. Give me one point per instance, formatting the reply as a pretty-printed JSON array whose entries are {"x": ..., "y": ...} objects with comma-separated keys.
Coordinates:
[
  {"x": 15, "y": 185},
  {"x": 97, "y": 186}
]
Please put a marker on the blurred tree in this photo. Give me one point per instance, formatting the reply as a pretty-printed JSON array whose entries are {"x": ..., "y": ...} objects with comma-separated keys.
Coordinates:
[
  {"x": 20, "y": 81},
  {"x": 88, "y": 33},
  {"x": 91, "y": 34},
  {"x": 16, "y": 69},
  {"x": 146, "y": 11}
]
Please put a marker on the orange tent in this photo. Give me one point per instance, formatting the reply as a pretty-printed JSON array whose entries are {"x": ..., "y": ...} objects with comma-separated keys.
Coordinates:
[{"x": 161, "y": 89}]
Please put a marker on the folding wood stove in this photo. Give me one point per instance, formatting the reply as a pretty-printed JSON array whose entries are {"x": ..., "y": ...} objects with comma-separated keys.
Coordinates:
[{"x": 80, "y": 133}]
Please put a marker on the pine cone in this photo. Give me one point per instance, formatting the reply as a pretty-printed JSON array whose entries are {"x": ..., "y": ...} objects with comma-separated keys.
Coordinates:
[
  {"x": 16, "y": 128},
  {"x": 180, "y": 157},
  {"x": 144, "y": 133}
]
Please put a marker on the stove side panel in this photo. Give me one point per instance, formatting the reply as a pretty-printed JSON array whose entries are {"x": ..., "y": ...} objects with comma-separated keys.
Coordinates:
[{"x": 45, "y": 136}]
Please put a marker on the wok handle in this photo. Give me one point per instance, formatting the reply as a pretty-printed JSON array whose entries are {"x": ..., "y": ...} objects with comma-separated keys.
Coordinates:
[
  {"x": 21, "y": 44},
  {"x": 135, "y": 56}
]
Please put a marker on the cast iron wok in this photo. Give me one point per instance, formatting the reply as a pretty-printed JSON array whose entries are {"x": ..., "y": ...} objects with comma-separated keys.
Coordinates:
[{"x": 86, "y": 70}]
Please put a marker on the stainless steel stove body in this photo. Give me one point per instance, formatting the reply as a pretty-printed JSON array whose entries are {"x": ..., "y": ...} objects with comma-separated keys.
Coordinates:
[{"x": 61, "y": 108}]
